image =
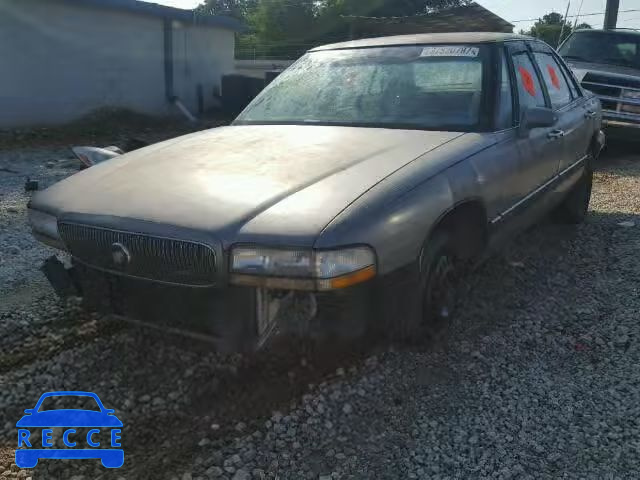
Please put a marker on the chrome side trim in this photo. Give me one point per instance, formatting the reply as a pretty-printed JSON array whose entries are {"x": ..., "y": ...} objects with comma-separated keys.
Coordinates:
[{"x": 535, "y": 192}]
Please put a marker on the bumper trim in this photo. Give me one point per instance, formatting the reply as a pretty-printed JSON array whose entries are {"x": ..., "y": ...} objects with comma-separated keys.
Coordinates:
[
  {"x": 617, "y": 123},
  {"x": 620, "y": 119}
]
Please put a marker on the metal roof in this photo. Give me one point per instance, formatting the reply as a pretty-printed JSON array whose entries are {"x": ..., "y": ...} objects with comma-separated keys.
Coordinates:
[
  {"x": 425, "y": 39},
  {"x": 162, "y": 11}
]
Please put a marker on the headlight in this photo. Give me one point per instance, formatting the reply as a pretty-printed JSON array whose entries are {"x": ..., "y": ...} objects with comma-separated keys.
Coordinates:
[
  {"x": 302, "y": 269},
  {"x": 271, "y": 261},
  {"x": 45, "y": 227}
]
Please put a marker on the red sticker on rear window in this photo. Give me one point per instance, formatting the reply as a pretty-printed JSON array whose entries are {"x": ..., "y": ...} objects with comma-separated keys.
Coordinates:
[
  {"x": 527, "y": 81},
  {"x": 555, "y": 81}
]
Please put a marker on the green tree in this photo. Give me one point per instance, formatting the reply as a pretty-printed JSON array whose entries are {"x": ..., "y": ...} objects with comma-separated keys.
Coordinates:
[
  {"x": 387, "y": 8},
  {"x": 549, "y": 27},
  {"x": 283, "y": 20},
  {"x": 333, "y": 22},
  {"x": 239, "y": 9},
  {"x": 286, "y": 28}
]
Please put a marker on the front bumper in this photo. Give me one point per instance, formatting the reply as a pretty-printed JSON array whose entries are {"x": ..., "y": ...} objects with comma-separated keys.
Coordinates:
[
  {"x": 246, "y": 319},
  {"x": 233, "y": 318}
]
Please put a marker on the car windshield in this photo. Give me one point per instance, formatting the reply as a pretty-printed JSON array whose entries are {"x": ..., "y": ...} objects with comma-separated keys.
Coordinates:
[
  {"x": 622, "y": 49},
  {"x": 437, "y": 87},
  {"x": 69, "y": 402}
]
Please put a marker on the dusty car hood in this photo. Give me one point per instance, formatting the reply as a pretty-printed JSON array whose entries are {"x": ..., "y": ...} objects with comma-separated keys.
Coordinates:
[{"x": 240, "y": 182}]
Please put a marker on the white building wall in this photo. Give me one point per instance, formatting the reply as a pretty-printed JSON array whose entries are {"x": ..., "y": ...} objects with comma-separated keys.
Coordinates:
[
  {"x": 201, "y": 56},
  {"x": 59, "y": 61}
]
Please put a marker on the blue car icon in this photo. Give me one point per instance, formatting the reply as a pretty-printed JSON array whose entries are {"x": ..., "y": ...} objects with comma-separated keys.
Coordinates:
[{"x": 68, "y": 418}]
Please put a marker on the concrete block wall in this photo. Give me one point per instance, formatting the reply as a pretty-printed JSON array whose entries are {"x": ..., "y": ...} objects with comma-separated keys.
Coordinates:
[{"x": 59, "y": 61}]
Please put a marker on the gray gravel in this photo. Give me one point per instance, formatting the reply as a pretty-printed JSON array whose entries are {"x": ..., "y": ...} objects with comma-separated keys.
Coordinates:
[
  {"x": 20, "y": 256},
  {"x": 537, "y": 377}
]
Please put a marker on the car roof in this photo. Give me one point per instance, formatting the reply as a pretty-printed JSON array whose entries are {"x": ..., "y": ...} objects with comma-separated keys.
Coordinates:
[{"x": 425, "y": 39}]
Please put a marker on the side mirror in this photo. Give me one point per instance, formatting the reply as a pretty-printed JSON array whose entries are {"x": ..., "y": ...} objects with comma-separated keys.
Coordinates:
[
  {"x": 536, "y": 117},
  {"x": 29, "y": 411},
  {"x": 109, "y": 411}
]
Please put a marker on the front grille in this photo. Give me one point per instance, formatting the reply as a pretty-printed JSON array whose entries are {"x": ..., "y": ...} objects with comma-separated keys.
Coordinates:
[
  {"x": 614, "y": 94},
  {"x": 143, "y": 256},
  {"x": 615, "y": 81}
]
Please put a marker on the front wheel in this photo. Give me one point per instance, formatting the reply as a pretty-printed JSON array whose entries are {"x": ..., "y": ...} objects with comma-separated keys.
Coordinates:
[
  {"x": 574, "y": 207},
  {"x": 436, "y": 292},
  {"x": 438, "y": 285}
]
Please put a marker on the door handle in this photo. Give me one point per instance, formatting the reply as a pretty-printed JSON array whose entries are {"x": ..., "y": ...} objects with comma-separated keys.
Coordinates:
[
  {"x": 555, "y": 134},
  {"x": 590, "y": 114}
]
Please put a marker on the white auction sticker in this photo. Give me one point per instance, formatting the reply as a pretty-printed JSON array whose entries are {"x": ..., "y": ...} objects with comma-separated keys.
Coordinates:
[{"x": 450, "y": 51}]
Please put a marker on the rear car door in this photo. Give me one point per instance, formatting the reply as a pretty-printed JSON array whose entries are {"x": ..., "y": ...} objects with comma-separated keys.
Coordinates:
[
  {"x": 540, "y": 149},
  {"x": 567, "y": 104}
]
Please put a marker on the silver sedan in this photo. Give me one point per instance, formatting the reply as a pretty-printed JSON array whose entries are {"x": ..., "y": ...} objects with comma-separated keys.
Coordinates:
[{"x": 354, "y": 188}]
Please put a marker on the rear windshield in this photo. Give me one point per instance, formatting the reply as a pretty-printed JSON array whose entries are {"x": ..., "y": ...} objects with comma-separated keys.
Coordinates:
[
  {"x": 69, "y": 402},
  {"x": 621, "y": 49},
  {"x": 432, "y": 87}
]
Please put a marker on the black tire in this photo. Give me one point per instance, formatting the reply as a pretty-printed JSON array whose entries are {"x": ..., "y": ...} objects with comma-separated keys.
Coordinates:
[
  {"x": 574, "y": 207},
  {"x": 435, "y": 296},
  {"x": 438, "y": 285}
]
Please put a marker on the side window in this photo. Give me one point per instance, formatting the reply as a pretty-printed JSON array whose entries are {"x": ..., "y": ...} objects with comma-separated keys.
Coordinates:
[
  {"x": 529, "y": 89},
  {"x": 505, "y": 99},
  {"x": 575, "y": 91},
  {"x": 554, "y": 79}
]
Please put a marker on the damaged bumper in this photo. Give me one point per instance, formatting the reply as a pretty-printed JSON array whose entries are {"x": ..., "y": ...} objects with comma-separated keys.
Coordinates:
[{"x": 233, "y": 319}]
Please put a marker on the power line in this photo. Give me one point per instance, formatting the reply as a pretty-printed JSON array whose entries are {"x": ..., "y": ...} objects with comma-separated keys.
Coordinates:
[
  {"x": 573, "y": 16},
  {"x": 629, "y": 20}
]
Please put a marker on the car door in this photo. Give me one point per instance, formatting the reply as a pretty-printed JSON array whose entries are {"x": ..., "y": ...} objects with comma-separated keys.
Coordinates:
[
  {"x": 572, "y": 123},
  {"x": 539, "y": 149}
]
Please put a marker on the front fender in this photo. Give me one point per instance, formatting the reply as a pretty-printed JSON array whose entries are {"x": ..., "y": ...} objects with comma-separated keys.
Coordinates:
[{"x": 396, "y": 230}]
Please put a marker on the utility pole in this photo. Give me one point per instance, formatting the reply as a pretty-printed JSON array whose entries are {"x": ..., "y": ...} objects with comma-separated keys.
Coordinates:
[
  {"x": 564, "y": 23},
  {"x": 611, "y": 15}
]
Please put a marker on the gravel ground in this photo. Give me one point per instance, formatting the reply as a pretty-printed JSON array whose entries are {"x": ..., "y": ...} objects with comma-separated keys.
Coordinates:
[{"x": 537, "y": 377}]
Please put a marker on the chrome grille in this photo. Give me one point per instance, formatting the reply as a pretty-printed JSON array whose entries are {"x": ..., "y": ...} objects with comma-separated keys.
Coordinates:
[
  {"x": 618, "y": 95},
  {"x": 154, "y": 258}
]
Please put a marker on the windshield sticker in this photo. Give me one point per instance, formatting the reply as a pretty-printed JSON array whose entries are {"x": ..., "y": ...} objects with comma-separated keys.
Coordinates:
[
  {"x": 527, "y": 81},
  {"x": 555, "y": 81},
  {"x": 451, "y": 51}
]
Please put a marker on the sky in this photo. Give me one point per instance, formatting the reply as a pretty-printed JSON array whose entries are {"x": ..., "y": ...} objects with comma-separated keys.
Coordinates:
[{"x": 514, "y": 10}]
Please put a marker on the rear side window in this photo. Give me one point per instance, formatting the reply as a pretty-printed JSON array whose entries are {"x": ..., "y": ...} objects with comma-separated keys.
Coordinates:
[
  {"x": 530, "y": 91},
  {"x": 557, "y": 86},
  {"x": 505, "y": 99}
]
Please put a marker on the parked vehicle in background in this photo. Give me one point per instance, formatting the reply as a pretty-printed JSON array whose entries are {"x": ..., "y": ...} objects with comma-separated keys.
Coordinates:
[
  {"x": 356, "y": 184},
  {"x": 607, "y": 62}
]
